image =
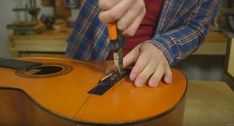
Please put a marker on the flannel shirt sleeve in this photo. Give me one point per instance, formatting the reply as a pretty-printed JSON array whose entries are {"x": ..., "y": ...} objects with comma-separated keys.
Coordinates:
[{"x": 180, "y": 42}]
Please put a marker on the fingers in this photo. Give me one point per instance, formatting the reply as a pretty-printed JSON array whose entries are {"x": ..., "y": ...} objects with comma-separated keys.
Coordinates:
[
  {"x": 128, "y": 18},
  {"x": 107, "y": 4},
  {"x": 131, "y": 30},
  {"x": 116, "y": 12},
  {"x": 142, "y": 61},
  {"x": 153, "y": 74},
  {"x": 142, "y": 78},
  {"x": 151, "y": 66},
  {"x": 131, "y": 57},
  {"x": 128, "y": 14},
  {"x": 157, "y": 75},
  {"x": 168, "y": 75}
]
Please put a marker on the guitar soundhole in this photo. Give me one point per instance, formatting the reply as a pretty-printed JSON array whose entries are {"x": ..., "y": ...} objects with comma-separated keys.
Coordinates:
[{"x": 45, "y": 71}]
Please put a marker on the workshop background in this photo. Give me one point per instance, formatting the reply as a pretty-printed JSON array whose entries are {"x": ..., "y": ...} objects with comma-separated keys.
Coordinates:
[{"x": 209, "y": 69}]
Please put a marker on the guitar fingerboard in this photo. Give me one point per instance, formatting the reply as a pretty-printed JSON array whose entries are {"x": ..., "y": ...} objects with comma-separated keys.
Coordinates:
[{"x": 17, "y": 64}]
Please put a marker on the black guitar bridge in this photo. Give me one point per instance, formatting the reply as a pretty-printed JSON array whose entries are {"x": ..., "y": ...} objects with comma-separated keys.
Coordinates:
[{"x": 107, "y": 82}]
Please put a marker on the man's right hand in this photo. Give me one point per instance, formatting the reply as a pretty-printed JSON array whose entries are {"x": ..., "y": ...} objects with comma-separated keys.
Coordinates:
[{"x": 128, "y": 14}]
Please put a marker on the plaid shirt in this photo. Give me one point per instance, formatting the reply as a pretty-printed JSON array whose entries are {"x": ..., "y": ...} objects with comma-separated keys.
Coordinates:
[{"x": 182, "y": 27}]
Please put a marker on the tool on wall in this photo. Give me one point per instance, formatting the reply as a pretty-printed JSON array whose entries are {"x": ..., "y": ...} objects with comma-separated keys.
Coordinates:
[{"x": 24, "y": 25}]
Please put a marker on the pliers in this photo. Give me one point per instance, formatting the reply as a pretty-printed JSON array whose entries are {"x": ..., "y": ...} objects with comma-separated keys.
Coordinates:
[{"x": 116, "y": 46}]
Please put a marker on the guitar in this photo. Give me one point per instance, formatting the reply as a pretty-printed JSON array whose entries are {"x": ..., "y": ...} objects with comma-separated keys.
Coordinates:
[{"x": 54, "y": 91}]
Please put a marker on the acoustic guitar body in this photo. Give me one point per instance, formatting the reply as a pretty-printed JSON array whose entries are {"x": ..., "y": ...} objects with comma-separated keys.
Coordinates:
[{"x": 57, "y": 92}]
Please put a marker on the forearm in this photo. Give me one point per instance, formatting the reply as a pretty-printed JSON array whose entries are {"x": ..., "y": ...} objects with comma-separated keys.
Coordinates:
[{"x": 180, "y": 42}]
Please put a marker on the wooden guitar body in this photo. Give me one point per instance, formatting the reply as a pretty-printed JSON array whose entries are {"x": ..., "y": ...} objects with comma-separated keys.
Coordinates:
[{"x": 56, "y": 93}]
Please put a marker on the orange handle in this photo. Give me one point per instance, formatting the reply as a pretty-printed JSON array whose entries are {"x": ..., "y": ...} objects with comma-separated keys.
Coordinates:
[{"x": 112, "y": 31}]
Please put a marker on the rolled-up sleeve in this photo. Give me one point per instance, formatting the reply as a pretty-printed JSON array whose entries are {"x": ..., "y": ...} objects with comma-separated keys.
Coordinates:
[{"x": 183, "y": 40}]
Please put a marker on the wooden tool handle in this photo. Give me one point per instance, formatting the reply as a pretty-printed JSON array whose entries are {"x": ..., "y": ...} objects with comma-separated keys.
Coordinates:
[{"x": 112, "y": 31}]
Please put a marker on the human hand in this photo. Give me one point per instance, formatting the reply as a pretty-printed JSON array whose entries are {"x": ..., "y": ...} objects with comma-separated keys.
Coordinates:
[
  {"x": 150, "y": 65},
  {"x": 127, "y": 14}
]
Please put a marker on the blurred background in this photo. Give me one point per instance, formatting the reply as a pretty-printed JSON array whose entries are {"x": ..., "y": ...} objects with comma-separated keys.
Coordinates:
[{"x": 41, "y": 27}]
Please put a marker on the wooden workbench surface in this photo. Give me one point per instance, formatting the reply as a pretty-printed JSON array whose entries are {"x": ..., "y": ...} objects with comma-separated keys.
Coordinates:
[
  {"x": 51, "y": 34},
  {"x": 211, "y": 37},
  {"x": 219, "y": 37},
  {"x": 52, "y": 41},
  {"x": 209, "y": 103}
]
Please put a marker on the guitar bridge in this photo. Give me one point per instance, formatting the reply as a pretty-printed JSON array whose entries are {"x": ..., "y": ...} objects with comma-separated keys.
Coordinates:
[{"x": 107, "y": 82}]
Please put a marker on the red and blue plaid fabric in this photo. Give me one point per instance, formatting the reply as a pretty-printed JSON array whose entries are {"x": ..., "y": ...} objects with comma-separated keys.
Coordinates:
[{"x": 181, "y": 28}]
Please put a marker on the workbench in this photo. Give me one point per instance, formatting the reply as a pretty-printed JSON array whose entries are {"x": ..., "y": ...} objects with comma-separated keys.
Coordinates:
[
  {"x": 229, "y": 63},
  {"x": 209, "y": 103},
  {"x": 49, "y": 43},
  {"x": 52, "y": 43}
]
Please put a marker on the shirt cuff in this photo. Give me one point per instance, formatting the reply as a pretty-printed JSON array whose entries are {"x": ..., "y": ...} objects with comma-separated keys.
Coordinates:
[{"x": 172, "y": 54}]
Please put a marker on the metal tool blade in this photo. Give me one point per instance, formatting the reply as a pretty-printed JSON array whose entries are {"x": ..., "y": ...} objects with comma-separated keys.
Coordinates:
[{"x": 118, "y": 61}]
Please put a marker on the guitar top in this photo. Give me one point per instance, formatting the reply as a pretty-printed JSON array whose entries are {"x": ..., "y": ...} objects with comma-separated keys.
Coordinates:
[{"x": 62, "y": 86}]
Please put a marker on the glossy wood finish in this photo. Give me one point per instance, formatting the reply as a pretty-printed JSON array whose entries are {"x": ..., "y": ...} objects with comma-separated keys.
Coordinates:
[
  {"x": 66, "y": 96},
  {"x": 229, "y": 63},
  {"x": 16, "y": 109},
  {"x": 231, "y": 58}
]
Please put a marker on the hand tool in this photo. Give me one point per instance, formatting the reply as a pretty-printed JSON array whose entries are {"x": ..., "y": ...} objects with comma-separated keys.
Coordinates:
[{"x": 116, "y": 46}]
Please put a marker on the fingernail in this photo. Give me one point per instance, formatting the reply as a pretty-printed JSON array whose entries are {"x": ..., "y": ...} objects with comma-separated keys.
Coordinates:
[
  {"x": 168, "y": 80},
  {"x": 132, "y": 77},
  {"x": 138, "y": 83},
  {"x": 152, "y": 83}
]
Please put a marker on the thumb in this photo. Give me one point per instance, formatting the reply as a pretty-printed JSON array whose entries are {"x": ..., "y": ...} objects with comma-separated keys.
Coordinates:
[{"x": 131, "y": 57}]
